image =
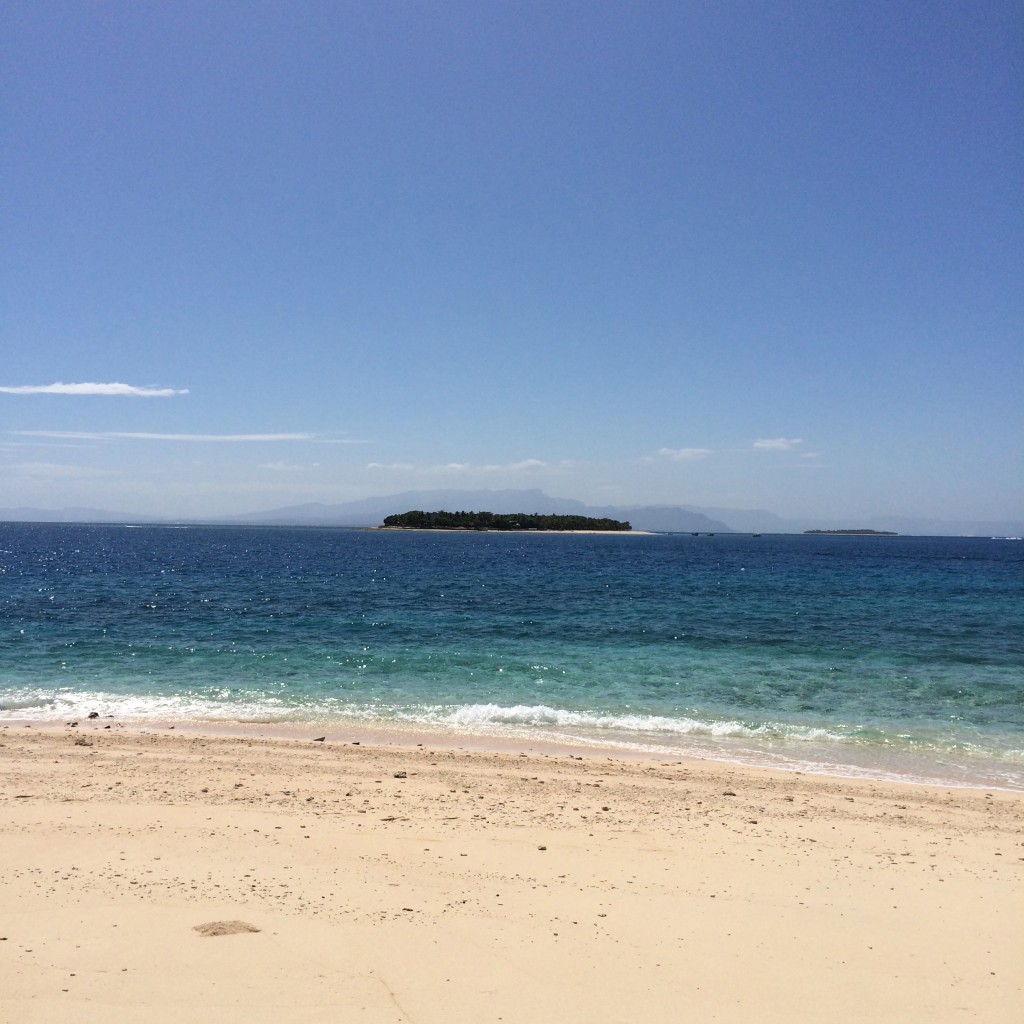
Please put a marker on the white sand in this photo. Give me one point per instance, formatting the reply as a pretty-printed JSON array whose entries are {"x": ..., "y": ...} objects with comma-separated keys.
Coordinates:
[{"x": 489, "y": 887}]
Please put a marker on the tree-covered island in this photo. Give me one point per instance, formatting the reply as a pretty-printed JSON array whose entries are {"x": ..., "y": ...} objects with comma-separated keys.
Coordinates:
[
  {"x": 852, "y": 533},
  {"x": 417, "y": 520}
]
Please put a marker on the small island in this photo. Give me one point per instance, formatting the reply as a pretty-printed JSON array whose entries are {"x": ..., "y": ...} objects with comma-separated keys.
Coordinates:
[
  {"x": 516, "y": 521},
  {"x": 852, "y": 533}
]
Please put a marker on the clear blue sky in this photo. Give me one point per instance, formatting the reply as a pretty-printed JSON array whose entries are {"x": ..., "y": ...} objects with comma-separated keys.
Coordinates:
[{"x": 741, "y": 254}]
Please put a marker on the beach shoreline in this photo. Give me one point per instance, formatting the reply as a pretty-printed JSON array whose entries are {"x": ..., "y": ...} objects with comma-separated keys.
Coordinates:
[
  {"x": 825, "y": 759},
  {"x": 404, "y": 882},
  {"x": 472, "y": 529}
]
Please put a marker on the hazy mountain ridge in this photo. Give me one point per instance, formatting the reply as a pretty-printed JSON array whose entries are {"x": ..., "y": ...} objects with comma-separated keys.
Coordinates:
[
  {"x": 371, "y": 511},
  {"x": 365, "y": 512}
]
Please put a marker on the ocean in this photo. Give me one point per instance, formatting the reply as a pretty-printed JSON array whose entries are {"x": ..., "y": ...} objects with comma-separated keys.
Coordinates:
[{"x": 875, "y": 657}]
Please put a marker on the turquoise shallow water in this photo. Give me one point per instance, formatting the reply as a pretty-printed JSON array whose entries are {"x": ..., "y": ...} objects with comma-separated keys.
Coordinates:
[{"x": 884, "y": 657}]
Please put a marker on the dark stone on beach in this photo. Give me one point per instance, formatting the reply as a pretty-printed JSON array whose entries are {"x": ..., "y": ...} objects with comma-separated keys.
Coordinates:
[
  {"x": 319, "y": 739},
  {"x": 400, "y": 775},
  {"x": 728, "y": 792},
  {"x": 94, "y": 714}
]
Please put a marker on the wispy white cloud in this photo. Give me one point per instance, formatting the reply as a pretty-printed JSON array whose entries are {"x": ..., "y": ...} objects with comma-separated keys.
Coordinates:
[
  {"x": 685, "y": 454},
  {"x": 18, "y": 446},
  {"x": 289, "y": 467},
  {"x": 462, "y": 468},
  {"x": 120, "y": 435},
  {"x": 129, "y": 390},
  {"x": 523, "y": 466},
  {"x": 777, "y": 444}
]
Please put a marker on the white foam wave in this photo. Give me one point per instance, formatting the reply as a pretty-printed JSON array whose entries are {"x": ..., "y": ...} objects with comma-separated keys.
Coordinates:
[
  {"x": 484, "y": 716},
  {"x": 27, "y": 703},
  {"x": 481, "y": 718},
  {"x": 56, "y": 705},
  {"x": 781, "y": 745}
]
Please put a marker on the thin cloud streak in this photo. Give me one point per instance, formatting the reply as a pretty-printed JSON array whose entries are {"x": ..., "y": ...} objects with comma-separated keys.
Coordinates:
[
  {"x": 777, "y": 444},
  {"x": 515, "y": 467},
  {"x": 523, "y": 466},
  {"x": 121, "y": 390},
  {"x": 118, "y": 435},
  {"x": 685, "y": 454}
]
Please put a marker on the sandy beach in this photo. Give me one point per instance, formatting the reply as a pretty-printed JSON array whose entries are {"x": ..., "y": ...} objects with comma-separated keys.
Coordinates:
[{"x": 166, "y": 876}]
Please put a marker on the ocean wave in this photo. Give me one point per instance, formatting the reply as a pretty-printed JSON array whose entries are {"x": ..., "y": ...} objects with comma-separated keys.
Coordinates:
[
  {"x": 258, "y": 706},
  {"x": 55, "y": 705},
  {"x": 844, "y": 750},
  {"x": 33, "y": 702},
  {"x": 486, "y": 716}
]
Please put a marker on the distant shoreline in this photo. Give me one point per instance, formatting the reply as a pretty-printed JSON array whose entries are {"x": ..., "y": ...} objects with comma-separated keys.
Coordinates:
[{"x": 473, "y": 529}]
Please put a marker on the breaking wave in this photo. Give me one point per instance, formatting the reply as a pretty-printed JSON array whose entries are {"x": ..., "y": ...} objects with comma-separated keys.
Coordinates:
[{"x": 488, "y": 716}]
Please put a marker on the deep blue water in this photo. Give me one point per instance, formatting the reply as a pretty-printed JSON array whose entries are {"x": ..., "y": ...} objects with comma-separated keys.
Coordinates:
[{"x": 887, "y": 656}]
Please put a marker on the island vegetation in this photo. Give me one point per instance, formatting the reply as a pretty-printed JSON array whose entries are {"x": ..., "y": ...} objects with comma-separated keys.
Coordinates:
[
  {"x": 417, "y": 520},
  {"x": 853, "y": 533}
]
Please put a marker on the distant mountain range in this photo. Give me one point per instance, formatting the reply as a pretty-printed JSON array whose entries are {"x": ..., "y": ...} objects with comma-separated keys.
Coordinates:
[
  {"x": 658, "y": 518},
  {"x": 371, "y": 511}
]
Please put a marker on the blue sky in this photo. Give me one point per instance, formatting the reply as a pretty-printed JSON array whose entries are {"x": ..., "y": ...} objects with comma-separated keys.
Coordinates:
[{"x": 735, "y": 254}]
